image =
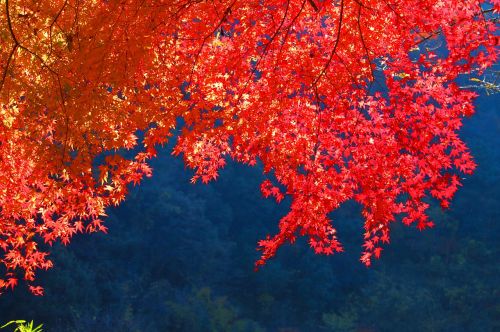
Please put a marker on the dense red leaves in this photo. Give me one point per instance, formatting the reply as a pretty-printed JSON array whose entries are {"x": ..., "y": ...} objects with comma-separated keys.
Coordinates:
[{"x": 341, "y": 100}]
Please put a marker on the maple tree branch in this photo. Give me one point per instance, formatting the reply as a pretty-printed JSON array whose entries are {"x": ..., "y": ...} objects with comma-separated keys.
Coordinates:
[
  {"x": 17, "y": 44},
  {"x": 349, "y": 72},
  {"x": 288, "y": 31},
  {"x": 76, "y": 26},
  {"x": 363, "y": 5},
  {"x": 108, "y": 43},
  {"x": 14, "y": 48},
  {"x": 334, "y": 46},
  {"x": 323, "y": 71},
  {"x": 264, "y": 52},
  {"x": 318, "y": 127},
  {"x": 224, "y": 17},
  {"x": 52, "y": 24},
  {"x": 9, "y": 22},
  {"x": 7, "y": 65},
  {"x": 311, "y": 2},
  {"x": 398, "y": 16},
  {"x": 44, "y": 64},
  {"x": 363, "y": 42},
  {"x": 266, "y": 47}
]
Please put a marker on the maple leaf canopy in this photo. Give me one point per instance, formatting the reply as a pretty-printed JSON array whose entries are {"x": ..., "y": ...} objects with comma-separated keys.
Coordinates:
[{"x": 338, "y": 100}]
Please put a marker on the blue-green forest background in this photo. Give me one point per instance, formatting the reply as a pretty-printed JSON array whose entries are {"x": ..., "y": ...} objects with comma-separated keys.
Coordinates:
[{"x": 179, "y": 257}]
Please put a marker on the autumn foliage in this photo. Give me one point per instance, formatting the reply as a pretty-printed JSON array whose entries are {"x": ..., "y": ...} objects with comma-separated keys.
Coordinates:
[{"x": 338, "y": 100}]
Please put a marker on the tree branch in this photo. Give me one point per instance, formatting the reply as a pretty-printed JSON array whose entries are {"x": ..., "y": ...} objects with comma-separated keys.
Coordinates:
[
  {"x": 311, "y": 2},
  {"x": 16, "y": 44}
]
